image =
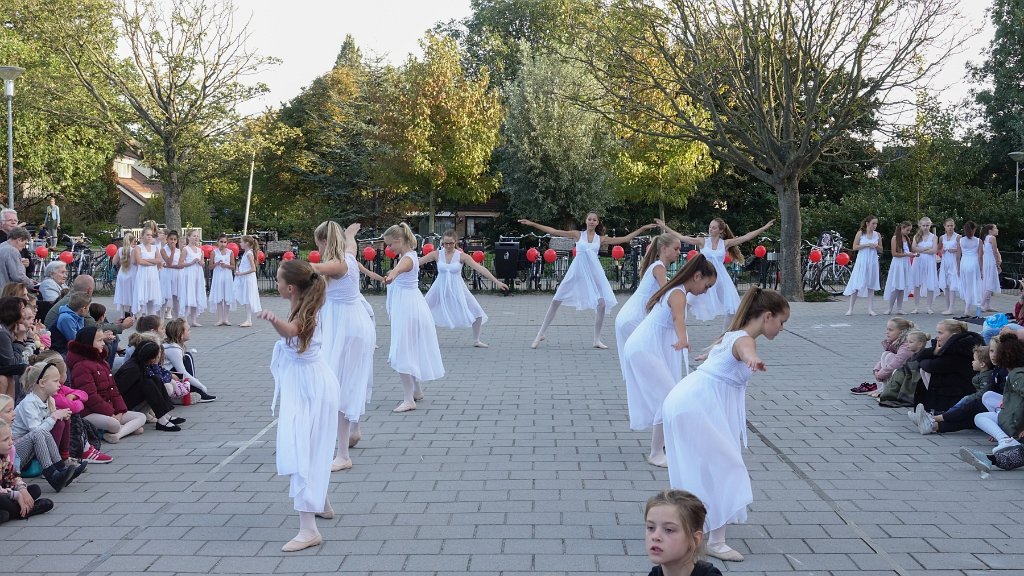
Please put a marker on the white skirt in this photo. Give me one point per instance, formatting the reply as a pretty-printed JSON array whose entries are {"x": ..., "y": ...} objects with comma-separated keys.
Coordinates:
[
  {"x": 989, "y": 275},
  {"x": 721, "y": 299},
  {"x": 349, "y": 339},
  {"x": 147, "y": 289},
  {"x": 414, "y": 349},
  {"x": 899, "y": 277},
  {"x": 970, "y": 281},
  {"x": 452, "y": 304},
  {"x": 864, "y": 278},
  {"x": 247, "y": 293},
  {"x": 626, "y": 321},
  {"x": 124, "y": 289},
  {"x": 949, "y": 276},
  {"x": 307, "y": 427},
  {"x": 585, "y": 284},
  {"x": 192, "y": 288},
  {"x": 705, "y": 428},
  {"x": 926, "y": 275},
  {"x": 652, "y": 368},
  {"x": 169, "y": 280},
  {"x": 222, "y": 288}
]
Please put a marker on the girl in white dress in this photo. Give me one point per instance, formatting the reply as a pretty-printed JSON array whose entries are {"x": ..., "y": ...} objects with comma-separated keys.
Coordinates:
[
  {"x": 349, "y": 334},
  {"x": 991, "y": 265},
  {"x": 970, "y": 269},
  {"x": 655, "y": 356},
  {"x": 124, "y": 289},
  {"x": 664, "y": 250},
  {"x": 222, "y": 294},
  {"x": 192, "y": 282},
  {"x": 924, "y": 270},
  {"x": 585, "y": 285},
  {"x": 949, "y": 271},
  {"x": 705, "y": 418},
  {"x": 723, "y": 298},
  {"x": 864, "y": 278},
  {"x": 898, "y": 282},
  {"x": 148, "y": 296},
  {"x": 308, "y": 420},
  {"x": 414, "y": 352},
  {"x": 451, "y": 303},
  {"x": 247, "y": 293},
  {"x": 170, "y": 276}
]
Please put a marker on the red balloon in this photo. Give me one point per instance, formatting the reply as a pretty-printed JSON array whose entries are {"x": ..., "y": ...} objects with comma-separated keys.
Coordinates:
[
  {"x": 261, "y": 257},
  {"x": 207, "y": 250},
  {"x": 728, "y": 258},
  {"x": 389, "y": 252},
  {"x": 815, "y": 256},
  {"x": 314, "y": 256},
  {"x": 550, "y": 256},
  {"x": 66, "y": 257},
  {"x": 234, "y": 249},
  {"x": 760, "y": 251},
  {"x": 369, "y": 254},
  {"x": 691, "y": 254},
  {"x": 478, "y": 256},
  {"x": 842, "y": 258},
  {"x": 532, "y": 254},
  {"x": 42, "y": 252},
  {"x": 618, "y": 252},
  {"x": 288, "y": 255},
  {"x": 111, "y": 250},
  {"x": 428, "y": 248}
]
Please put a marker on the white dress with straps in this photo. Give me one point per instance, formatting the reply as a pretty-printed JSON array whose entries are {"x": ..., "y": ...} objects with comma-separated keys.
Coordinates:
[{"x": 585, "y": 283}]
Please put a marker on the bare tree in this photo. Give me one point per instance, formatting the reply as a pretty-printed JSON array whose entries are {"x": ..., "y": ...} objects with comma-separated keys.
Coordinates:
[
  {"x": 780, "y": 81},
  {"x": 177, "y": 91}
]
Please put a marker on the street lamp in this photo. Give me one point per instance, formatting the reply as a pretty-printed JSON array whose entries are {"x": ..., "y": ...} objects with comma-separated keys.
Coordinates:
[
  {"x": 1017, "y": 158},
  {"x": 9, "y": 74}
]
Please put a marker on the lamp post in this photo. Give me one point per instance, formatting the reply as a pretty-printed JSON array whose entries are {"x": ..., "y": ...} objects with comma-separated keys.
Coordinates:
[
  {"x": 9, "y": 74},
  {"x": 1017, "y": 158}
]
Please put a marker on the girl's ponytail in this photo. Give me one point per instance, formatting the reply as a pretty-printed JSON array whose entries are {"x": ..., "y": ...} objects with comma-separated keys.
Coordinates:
[
  {"x": 756, "y": 302},
  {"x": 126, "y": 251},
  {"x": 306, "y": 306},
  {"x": 329, "y": 234}
]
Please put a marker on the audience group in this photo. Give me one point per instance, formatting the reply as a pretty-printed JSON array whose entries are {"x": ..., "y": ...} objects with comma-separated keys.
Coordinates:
[{"x": 65, "y": 388}]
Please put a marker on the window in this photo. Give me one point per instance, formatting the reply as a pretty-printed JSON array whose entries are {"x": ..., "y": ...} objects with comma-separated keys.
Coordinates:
[
  {"x": 124, "y": 169},
  {"x": 478, "y": 225}
]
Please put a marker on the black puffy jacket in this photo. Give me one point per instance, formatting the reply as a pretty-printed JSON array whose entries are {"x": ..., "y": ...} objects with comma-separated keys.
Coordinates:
[{"x": 950, "y": 370}]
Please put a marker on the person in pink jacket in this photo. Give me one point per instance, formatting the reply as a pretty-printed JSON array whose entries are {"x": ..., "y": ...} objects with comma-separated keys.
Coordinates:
[
  {"x": 74, "y": 400},
  {"x": 895, "y": 353}
]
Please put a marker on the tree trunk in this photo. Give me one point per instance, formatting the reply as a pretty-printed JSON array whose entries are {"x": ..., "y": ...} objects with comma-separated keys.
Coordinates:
[
  {"x": 172, "y": 200},
  {"x": 788, "y": 193},
  {"x": 661, "y": 211}
]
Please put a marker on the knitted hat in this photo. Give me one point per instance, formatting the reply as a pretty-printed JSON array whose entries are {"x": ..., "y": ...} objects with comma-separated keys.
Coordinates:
[{"x": 86, "y": 335}]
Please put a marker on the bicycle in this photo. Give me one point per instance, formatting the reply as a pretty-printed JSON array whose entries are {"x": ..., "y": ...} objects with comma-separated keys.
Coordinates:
[
  {"x": 826, "y": 274},
  {"x": 81, "y": 253},
  {"x": 768, "y": 268}
]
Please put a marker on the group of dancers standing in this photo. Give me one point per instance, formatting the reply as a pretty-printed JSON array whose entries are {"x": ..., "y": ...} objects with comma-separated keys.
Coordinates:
[
  {"x": 966, "y": 265},
  {"x": 156, "y": 276}
]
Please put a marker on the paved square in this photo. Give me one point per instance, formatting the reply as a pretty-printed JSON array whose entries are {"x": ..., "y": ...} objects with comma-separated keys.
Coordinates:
[{"x": 521, "y": 462}]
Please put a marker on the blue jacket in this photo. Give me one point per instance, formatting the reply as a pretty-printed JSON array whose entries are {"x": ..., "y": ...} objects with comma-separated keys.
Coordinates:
[{"x": 69, "y": 323}]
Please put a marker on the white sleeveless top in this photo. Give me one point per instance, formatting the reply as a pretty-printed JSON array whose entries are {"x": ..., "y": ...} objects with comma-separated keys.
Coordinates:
[
  {"x": 969, "y": 247},
  {"x": 411, "y": 278},
  {"x": 453, "y": 267},
  {"x": 218, "y": 258},
  {"x": 346, "y": 288},
  {"x": 950, "y": 245},
  {"x": 192, "y": 254},
  {"x": 583, "y": 247},
  {"x": 147, "y": 254},
  {"x": 243, "y": 262},
  {"x": 714, "y": 253},
  {"x": 661, "y": 314},
  {"x": 866, "y": 239},
  {"x": 927, "y": 242}
]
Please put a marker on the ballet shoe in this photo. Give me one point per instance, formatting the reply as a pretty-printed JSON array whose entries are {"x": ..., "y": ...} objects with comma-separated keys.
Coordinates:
[
  {"x": 354, "y": 439},
  {"x": 417, "y": 396},
  {"x": 326, "y": 514},
  {"x": 656, "y": 462},
  {"x": 197, "y": 325},
  {"x": 600, "y": 345},
  {"x": 872, "y": 313},
  {"x": 723, "y": 552},
  {"x": 338, "y": 467},
  {"x": 294, "y": 545},
  {"x": 405, "y": 406},
  {"x": 245, "y": 325},
  {"x": 226, "y": 323},
  {"x": 848, "y": 313},
  {"x": 479, "y": 344},
  {"x": 914, "y": 311},
  {"x": 219, "y": 324}
]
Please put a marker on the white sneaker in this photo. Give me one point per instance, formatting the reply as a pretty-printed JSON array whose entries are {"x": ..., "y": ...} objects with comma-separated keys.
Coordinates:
[
  {"x": 1005, "y": 444},
  {"x": 926, "y": 424}
]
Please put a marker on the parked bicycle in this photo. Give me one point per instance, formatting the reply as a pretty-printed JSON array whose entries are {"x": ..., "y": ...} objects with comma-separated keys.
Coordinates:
[{"x": 826, "y": 274}]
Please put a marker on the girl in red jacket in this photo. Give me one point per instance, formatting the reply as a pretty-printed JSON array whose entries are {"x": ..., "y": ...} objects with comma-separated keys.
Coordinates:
[{"x": 90, "y": 373}]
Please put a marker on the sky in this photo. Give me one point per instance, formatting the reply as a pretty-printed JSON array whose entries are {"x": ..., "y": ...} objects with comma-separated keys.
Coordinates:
[{"x": 306, "y": 36}]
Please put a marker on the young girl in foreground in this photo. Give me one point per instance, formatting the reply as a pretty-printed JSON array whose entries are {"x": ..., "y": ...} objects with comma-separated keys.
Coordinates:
[
  {"x": 654, "y": 358},
  {"x": 308, "y": 421},
  {"x": 585, "y": 286},
  {"x": 705, "y": 418},
  {"x": 414, "y": 352},
  {"x": 451, "y": 303},
  {"x": 675, "y": 535}
]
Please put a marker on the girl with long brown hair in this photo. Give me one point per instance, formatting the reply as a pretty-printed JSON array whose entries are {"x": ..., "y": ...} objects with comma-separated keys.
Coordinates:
[
  {"x": 663, "y": 251},
  {"x": 898, "y": 281}
]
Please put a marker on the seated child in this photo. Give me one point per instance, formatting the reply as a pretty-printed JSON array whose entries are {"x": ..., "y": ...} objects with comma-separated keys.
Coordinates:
[
  {"x": 895, "y": 353},
  {"x": 17, "y": 499},
  {"x": 180, "y": 362},
  {"x": 98, "y": 312},
  {"x": 902, "y": 383},
  {"x": 988, "y": 395},
  {"x": 78, "y": 447},
  {"x": 675, "y": 535}
]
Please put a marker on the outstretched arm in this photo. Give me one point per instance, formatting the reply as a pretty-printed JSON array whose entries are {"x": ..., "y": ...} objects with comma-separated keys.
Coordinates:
[
  {"x": 677, "y": 302},
  {"x": 468, "y": 261},
  {"x": 351, "y": 245},
  {"x": 284, "y": 328},
  {"x": 369, "y": 273},
  {"x": 749, "y": 235},
  {"x": 404, "y": 265},
  {"x": 745, "y": 351},
  {"x": 574, "y": 234},
  {"x": 695, "y": 240},
  {"x": 628, "y": 237}
]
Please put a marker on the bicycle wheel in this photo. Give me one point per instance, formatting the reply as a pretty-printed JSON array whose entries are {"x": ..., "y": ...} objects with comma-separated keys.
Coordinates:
[{"x": 834, "y": 278}]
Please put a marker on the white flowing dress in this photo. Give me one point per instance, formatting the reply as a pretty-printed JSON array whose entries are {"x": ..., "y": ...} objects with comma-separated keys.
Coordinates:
[
  {"x": 147, "y": 283},
  {"x": 634, "y": 311},
  {"x": 899, "y": 276},
  {"x": 925, "y": 270},
  {"x": 349, "y": 340},
  {"x": 970, "y": 271},
  {"x": 247, "y": 293},
  {"x": 585, "y": 283},
  {"x": 451, "y": 303},
  {"x": 192, "y": 282},
  {"x": 705, "y": 433},
  {"x": 864, "y": 278},
  {"x": 652, "y": 366},
  {"x": 221, "y": 284},
  {"x": 989, "y": 270},
  {"x": 124, "y": 289},
  {"x": 170, "y": 277},
  {"x": 307, "y": 424},
  {"x": 722, "y": 298},
  {"x": 949, "y": 273},
  {"x": 414, "y": 349}
]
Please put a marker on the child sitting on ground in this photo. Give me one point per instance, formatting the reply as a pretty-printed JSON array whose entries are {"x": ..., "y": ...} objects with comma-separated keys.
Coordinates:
[
  {"x": 675, "y": 535},
  {"x": 84, "y": 436},
  {"x": 17, "y": 499},
  {"x": 895, "y": 353},
  {"x": 989, "y": 378},
  {"x": 180, "y": 362},
  {"x": 1006, "y": 422},
  {"x": 902, "y": 383}
]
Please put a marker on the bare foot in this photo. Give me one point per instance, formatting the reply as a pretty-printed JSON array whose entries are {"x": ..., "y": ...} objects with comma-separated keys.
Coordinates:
[
  {"x": 337, "y": 466},
  {"x": 197, "y": 325},
  {"x": 219, "y": 324},
  {"x": 914, "y": 311},
  {"x": 849, "y": 313},
  {"x": 700, "y": 357},
  {"x": 354, "y": 439},
  {"x": 245, "y": 325},
  {"x": 660, "y": 461},
  {"x": 479, "y": 344},
  {"x": 600, "y": 345},
  {"x": 405, "y": 406}
]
